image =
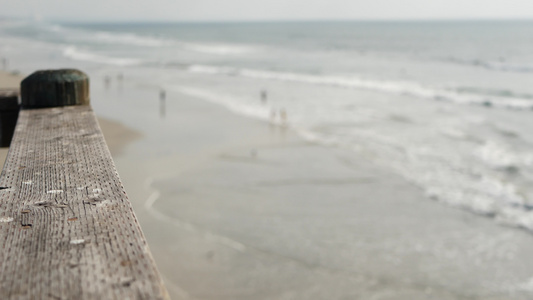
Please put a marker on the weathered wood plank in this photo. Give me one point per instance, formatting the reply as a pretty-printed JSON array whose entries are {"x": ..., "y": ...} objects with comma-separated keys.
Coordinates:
[{"x": 67, "y": 228}]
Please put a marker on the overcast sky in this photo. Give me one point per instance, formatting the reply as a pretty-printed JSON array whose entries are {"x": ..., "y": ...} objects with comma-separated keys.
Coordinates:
[{"x": 256, "y": 10}]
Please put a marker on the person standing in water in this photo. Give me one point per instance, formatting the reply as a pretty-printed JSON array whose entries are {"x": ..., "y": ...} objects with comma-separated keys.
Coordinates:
[
  {"x": 107, "y": 81},
  {"x": 264, "y": 96},
  {"x": 283, "y": 117},
  {"x": 162, "y": 104}
]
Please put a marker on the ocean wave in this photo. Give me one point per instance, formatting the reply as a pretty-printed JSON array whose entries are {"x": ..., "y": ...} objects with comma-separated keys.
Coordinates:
[
  {"x": 76, "y": 54},
  {"x": 148, "y": 41},
  {"x": 218, "y": 49},
  {"x": 481, "y": 186},
  {"x": 53, "y": 27},
  {"x": 494, "y": 65},
  {"x": 500, "y": 156},
  {"x": 105, "y": 37},
  {"x": 230, "y": 102},
  {"x": 85, "y": 35},
  {"x": 478, "y": 180},
  {"x": 129, "y": 39},
  {"x": 509, "y": 100},
  {"x": 499, "y": 93}
]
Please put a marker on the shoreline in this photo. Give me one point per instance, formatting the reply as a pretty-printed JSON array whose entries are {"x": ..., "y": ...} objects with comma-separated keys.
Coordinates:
[
  {"x": 253, "y": 211},
  {"x": 256, "y": 212}
]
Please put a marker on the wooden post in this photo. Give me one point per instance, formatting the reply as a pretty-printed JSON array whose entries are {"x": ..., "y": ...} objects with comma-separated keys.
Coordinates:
[
  {"x": 9, "y": 112},
  {"x": 67, "y": 228},
  {"x": 52, "y": 88}
]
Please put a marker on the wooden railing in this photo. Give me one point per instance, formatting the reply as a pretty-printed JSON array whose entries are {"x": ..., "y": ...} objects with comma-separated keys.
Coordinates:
[{"x": 67, "y": 228}]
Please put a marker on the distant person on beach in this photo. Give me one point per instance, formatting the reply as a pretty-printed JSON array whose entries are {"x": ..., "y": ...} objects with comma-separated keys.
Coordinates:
[
  {"x": 264, "y": 96},
  {"x": 4, "y": 63},
  {"x": 107, "y": 81},
  {"x": 120, "y": 78},
  {"x": 162, "y": 106},
  {"x": 283, "y": 116},
  {"x": 273, "y": 116}
]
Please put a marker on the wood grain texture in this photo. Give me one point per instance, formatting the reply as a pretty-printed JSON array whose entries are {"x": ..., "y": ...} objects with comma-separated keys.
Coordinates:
[{"x": 67, "y": 228}]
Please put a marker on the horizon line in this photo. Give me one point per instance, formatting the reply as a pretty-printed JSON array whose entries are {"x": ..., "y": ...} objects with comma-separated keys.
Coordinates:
[{"x": 241, "y": 21}]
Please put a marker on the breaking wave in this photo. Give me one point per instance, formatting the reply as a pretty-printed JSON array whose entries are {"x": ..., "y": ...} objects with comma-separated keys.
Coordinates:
[
  {"x": 457, "y": 95},
  {"x": 81, "y": 55}
]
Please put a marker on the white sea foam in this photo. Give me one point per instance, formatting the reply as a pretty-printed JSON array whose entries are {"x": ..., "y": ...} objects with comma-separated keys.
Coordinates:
[
  {"x": 500, "y": 156},
  {"x": 229, "y": 102},
  {"x": 441, "y": 170},
  {"x": 81, "y": 55}
]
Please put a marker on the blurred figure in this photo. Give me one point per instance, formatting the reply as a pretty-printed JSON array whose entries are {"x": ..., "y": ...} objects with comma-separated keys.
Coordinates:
[
  {"x": 162, "y": 104},
  {"x": 4, "y": 63},
  {"x": 283, "y": 117},
  {"x": 120, "y": 78},
  {"x": 272, "y": 116},
  {"x": 264, "y": 96},
  {"x": 107, "y": 81}
]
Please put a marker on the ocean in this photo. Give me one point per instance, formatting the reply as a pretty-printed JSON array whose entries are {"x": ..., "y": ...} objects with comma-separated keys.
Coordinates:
[{"x": 446, "y": 105}]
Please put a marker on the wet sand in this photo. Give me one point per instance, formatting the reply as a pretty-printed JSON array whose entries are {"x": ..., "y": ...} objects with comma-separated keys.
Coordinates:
[
  {"x": 9, "y": 80},
  {"x": 235, "y": 208}
]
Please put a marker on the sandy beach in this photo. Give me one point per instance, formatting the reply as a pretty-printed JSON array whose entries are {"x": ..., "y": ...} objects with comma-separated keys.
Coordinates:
[
  {"x": 10, "y": 80},
  {"x": 236, "y": 208}
]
